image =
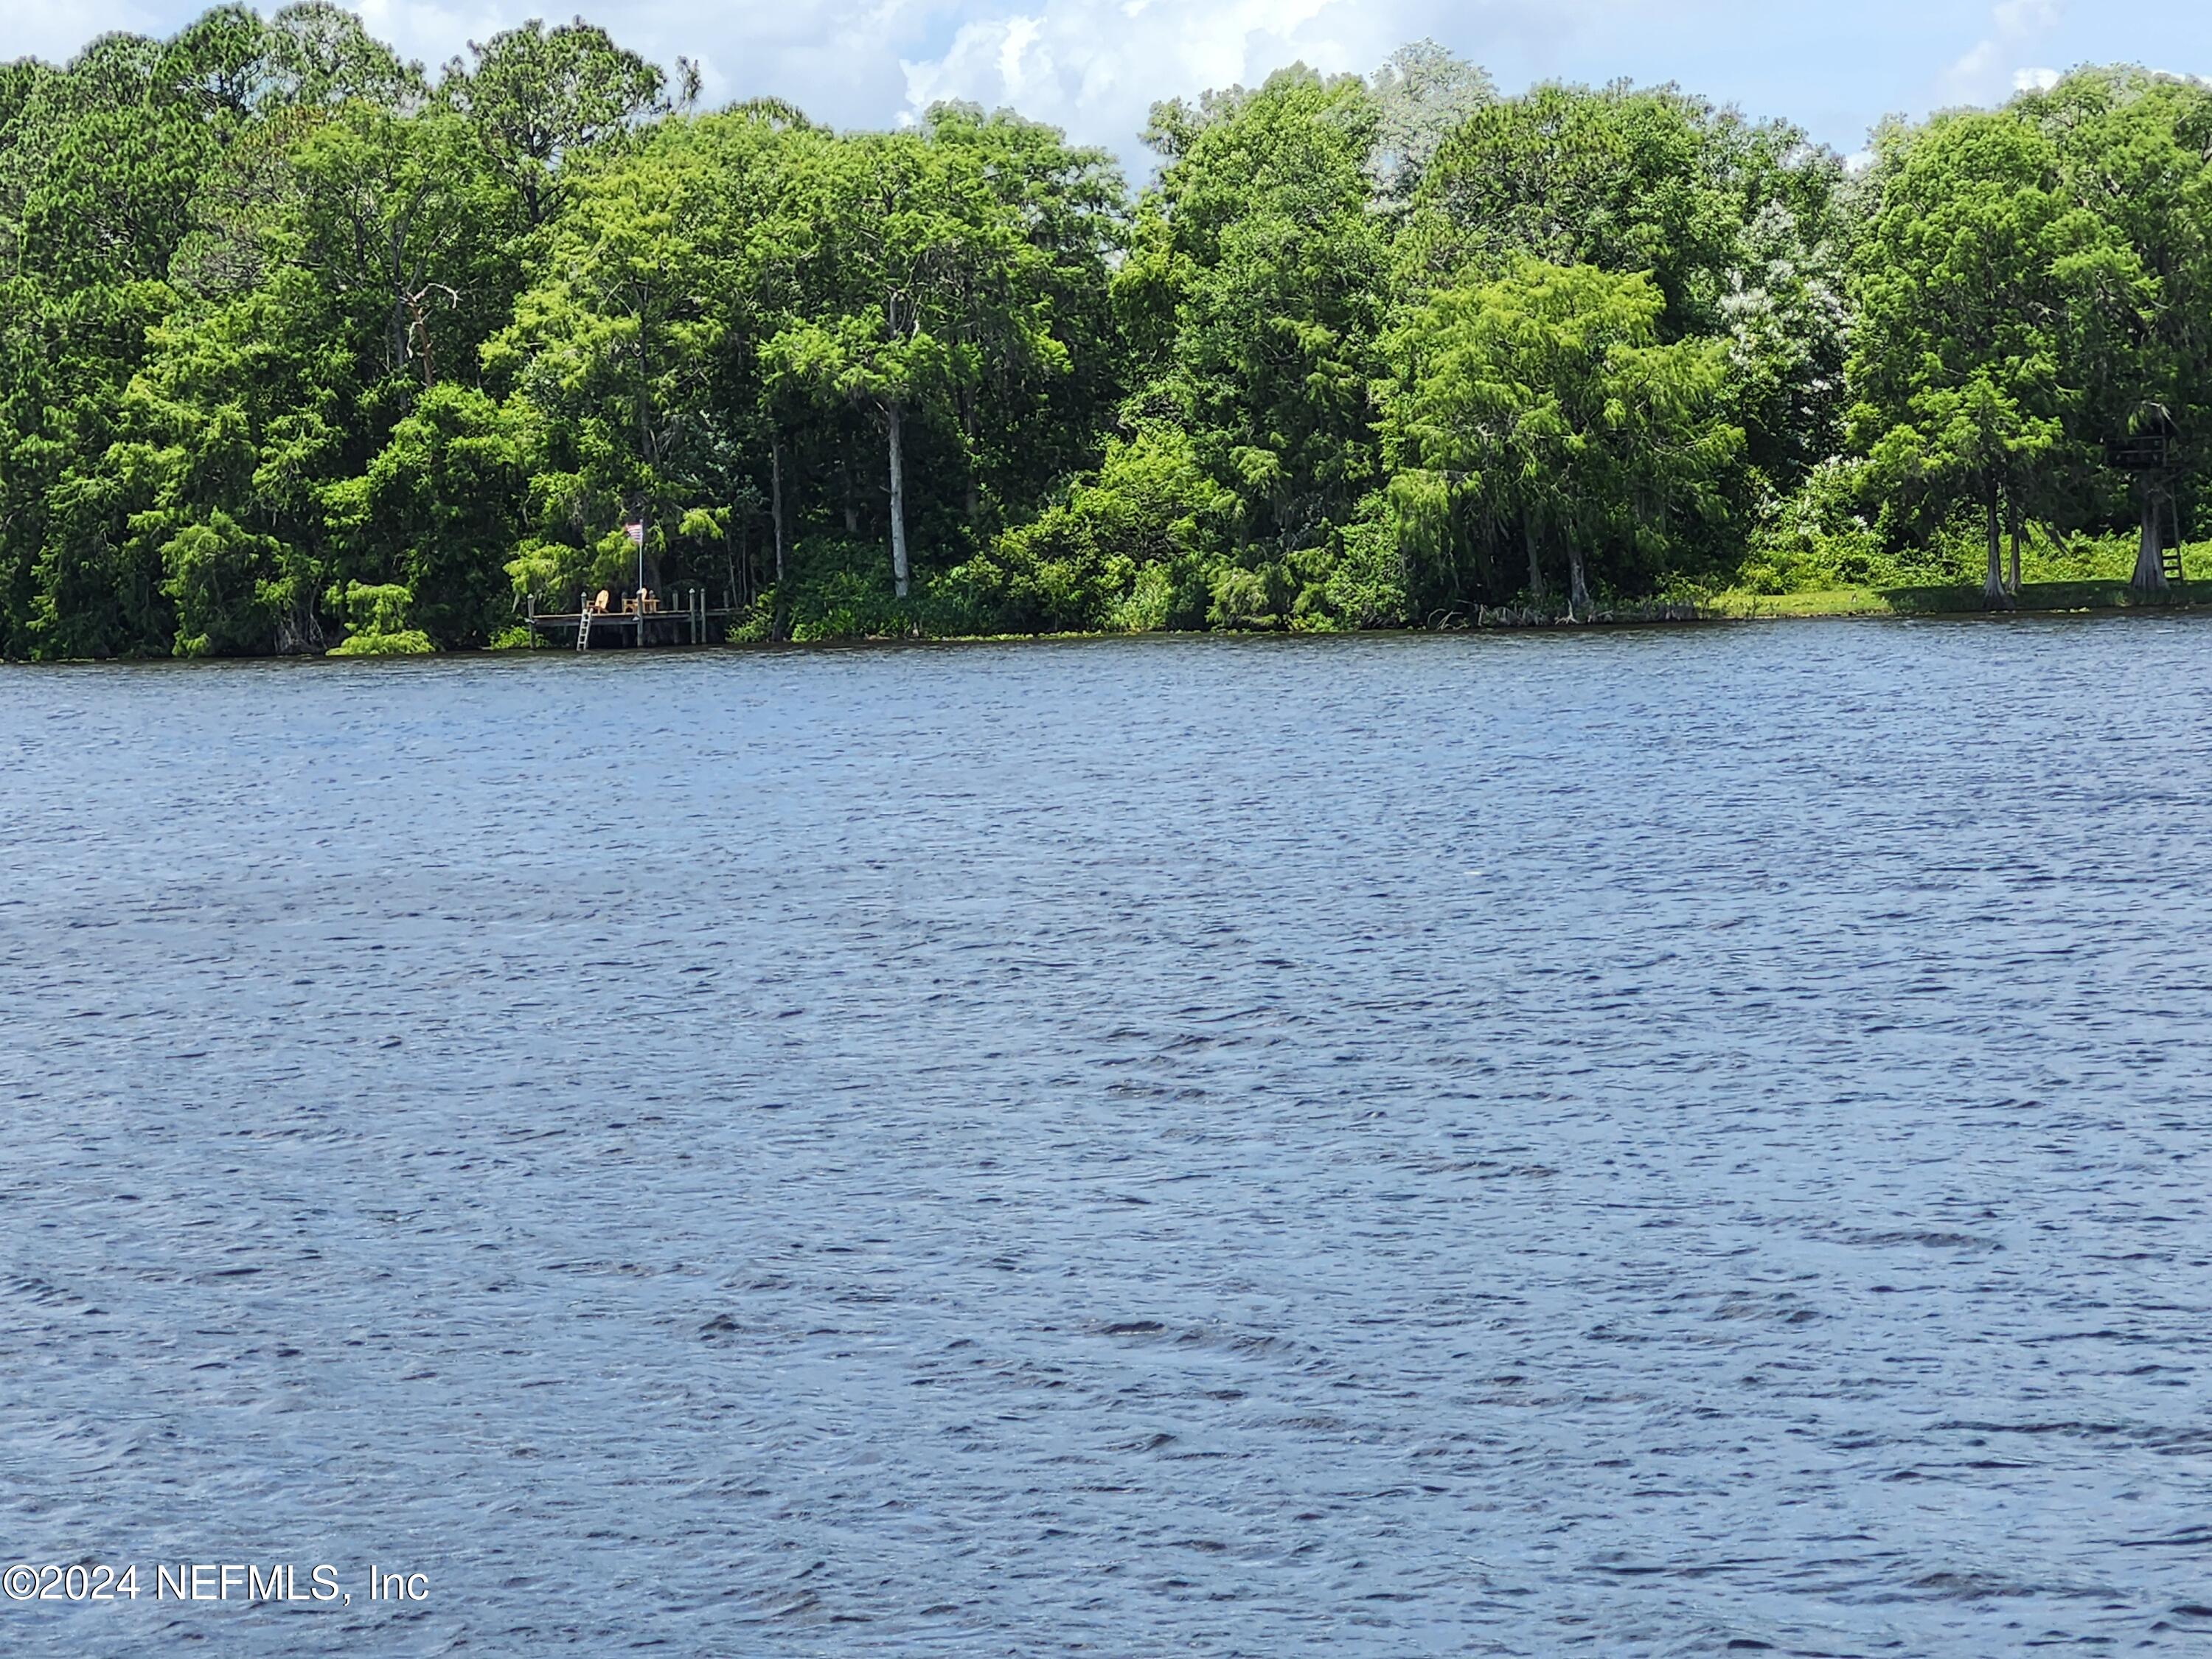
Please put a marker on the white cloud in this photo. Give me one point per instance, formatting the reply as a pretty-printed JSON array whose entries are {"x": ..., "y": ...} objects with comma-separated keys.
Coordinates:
[
  {"x": 1989, "y": 69},
  {"x": 1092, "y": 66},
  {"x": 1095, "y": 66},
  {"x": 2034, "y": 80}
]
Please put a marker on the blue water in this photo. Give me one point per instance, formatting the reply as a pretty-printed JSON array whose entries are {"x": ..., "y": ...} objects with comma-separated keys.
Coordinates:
[{"x": 1618, "y": 1142}]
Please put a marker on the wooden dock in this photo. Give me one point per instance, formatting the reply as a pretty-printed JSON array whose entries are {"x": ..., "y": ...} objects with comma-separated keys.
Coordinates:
[{"x": 694, "y": 622}]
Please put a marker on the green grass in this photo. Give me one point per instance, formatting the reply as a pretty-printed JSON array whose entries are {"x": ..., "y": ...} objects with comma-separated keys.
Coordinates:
[
  {"x": 1831, "y": 602},
  {"x": 1941, "y": 599}
]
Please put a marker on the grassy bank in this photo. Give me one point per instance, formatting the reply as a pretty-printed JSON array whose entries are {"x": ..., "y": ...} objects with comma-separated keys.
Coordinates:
[{"x": 1956, "y": 599}]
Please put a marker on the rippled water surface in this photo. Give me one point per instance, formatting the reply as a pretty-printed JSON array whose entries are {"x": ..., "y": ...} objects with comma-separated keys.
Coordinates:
[{"x": 1637, "y": 1142}]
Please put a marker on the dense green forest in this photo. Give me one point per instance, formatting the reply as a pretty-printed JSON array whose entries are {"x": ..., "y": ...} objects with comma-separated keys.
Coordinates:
[{"x": 307, "y": 349}]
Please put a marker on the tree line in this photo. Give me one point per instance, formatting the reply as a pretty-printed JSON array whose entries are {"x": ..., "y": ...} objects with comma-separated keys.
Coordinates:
[{"x": 306, "y": 348}]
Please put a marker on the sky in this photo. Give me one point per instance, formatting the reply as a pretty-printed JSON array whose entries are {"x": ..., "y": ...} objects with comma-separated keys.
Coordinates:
[{"x": 1094, "y": 66}]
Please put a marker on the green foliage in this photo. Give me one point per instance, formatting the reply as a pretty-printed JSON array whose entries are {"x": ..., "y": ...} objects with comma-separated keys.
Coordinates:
[
  {"x": 1365, "y": 584},
  {"x": 404, "y": 642},
  {"x": 1820, "y": 538},
  {"x": 534, "y": 98},
  {"x": 1150, "y": 516},
  {"x": 286, "y": 322},
  {"x": 1737, "y": 225},
  {"x": 756, "y": 625},
  {"x": 1258, "y": 276},
  {"x": 2133, "y": 153},
  {"x": 845, "y": 594},
  {"x": 378, "y": 613},
  {"x": 445, "y": 494},
  {"x": 220, "y": 577},
  {"x": 2015, "y": 307},
  {"x": 1963, "y": 280},
  {"x": 1541, "y": 407}
]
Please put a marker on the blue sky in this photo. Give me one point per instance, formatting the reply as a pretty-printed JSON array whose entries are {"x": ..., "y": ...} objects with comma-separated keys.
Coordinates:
[{"x": 1093, "y": 65}]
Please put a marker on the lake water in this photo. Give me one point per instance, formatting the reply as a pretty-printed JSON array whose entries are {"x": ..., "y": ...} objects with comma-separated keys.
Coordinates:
[{"x": 1640, "y": 1141}]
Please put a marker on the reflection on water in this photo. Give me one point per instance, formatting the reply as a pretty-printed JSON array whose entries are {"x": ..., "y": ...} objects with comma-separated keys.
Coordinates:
[{"x": 1630, "y": 1142}]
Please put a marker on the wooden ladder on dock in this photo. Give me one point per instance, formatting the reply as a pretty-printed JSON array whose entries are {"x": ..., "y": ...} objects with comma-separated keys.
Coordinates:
[{"x": 2171, "y": 558}]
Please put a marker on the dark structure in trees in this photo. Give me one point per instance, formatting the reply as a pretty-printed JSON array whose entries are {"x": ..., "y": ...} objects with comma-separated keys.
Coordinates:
[{"x": 2150, "y": 451}]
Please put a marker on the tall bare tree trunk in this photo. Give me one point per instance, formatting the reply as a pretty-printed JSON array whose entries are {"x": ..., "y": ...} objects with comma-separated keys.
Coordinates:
[
  {"x": 2012, "y": 514},
  {"x": 968, "y": 429},
  {"x": 894, "y": 422},
  {"x": 1993, "y": 590},
  {"x": 776, "y": 499},
  {"x": 1535, "y": 565},
  {"x": 2150, "y": 561},
  {"x": 1578, "y": 595}
]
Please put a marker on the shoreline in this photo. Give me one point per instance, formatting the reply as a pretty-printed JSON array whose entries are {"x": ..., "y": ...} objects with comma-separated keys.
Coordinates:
[
  {"x": 2035, "y": 598},
  {"x": 1828, "y": 605}
]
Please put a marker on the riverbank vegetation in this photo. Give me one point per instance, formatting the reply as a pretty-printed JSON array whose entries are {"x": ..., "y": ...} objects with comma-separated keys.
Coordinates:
[{"x": 304, "y": 348}]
